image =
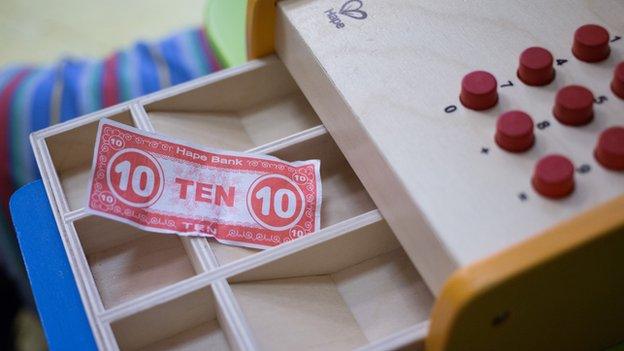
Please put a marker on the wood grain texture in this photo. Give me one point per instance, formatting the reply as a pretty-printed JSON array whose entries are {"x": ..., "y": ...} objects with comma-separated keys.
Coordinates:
[
  {"x": 186, "y": 323},
  {"x": 381, "y": 85},
  {"x": 357, "y": 288},
  {"x": 299, "y": 313},
  {"x": 344, "y": 196},
  {"x": 239, "y": 129},
  {"x": 349, "y": 249},
  {"x": 385, "y": 294},
  {"x": 72, "y": 154},
  {"x": 206, "y": 336},
  {"x": 127, "y": 262},
  {"x": 147, "y": 291}
]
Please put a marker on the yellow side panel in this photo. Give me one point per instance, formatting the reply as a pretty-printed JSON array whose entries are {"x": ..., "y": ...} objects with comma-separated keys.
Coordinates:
[
  {"x": 260, "y": 28},
  {"x": 561, "y": 290}
]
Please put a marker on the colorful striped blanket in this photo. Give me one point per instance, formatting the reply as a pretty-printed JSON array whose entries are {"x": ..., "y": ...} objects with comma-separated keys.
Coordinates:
[{"x": 32, "y": 98}]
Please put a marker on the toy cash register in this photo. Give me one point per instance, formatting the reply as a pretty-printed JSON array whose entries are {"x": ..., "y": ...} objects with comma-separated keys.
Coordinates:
[{"x": 472, "y": 164}]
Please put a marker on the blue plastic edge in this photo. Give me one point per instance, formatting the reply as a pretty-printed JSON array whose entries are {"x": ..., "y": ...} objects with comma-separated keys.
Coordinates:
[{"x": 60, "y": 308}]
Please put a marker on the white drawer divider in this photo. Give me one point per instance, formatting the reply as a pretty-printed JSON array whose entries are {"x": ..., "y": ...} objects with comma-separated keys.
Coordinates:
[{"x": 234, "y": 322}]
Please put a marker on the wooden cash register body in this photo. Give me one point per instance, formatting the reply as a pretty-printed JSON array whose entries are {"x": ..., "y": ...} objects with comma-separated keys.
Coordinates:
[{"x": 408, "y": 196}]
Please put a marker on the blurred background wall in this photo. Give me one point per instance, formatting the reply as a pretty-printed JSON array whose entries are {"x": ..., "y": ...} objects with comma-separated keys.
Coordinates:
[{"x": 41, "y": 31}]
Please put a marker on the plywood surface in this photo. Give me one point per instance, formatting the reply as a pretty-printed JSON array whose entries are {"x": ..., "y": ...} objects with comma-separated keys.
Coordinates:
[
  {"x": 381, "y": 85},
  {"x": 149, "y": 291},
  {"x": 138, "y": 267},
  {"x": 74, "y": 183},
  {"x": 385, "y": 294},
  {"x": 344, "y": 196},
  {"x": 239, "y": 129},
  {"x": 126, "y": 262},
  {"x": 331, "y": 256},
  {"x": 369, "y": 300},
  {"x": 299, "y": 313},
  {"x": 72, "y": 155},
  {"x": 182, "y": 319},
  {"x": 206, "y": 336},
  {"x": 358, "y": 284}
]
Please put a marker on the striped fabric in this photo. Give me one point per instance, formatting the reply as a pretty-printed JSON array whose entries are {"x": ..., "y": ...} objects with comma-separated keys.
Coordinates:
[{"x": 32, "y": 98}]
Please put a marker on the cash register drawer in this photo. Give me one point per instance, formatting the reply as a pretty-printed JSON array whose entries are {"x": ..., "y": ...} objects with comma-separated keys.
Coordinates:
[{"x": 350, "y": 285}]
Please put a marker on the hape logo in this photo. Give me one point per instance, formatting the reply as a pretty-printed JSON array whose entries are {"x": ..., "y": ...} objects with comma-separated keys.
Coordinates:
[{"x": 351, "y": 8}]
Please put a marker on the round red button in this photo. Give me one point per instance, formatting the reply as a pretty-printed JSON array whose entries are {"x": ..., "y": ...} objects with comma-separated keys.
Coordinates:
[
  {"x": 617, "y": 84},
  {"x": 554, "y": 176},
  {"x": 536, "y": 66},
  {"x": 591, "y": 43},
  {"x": 610, "y": 149},
  {"x": 514, "y": 131},
  {"x": 478, "y": 90},
  {"x": 574, "y": 105}
]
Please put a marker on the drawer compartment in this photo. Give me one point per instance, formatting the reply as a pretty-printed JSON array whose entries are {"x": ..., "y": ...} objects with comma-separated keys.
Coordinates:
[
  {"x": 190, "y": 322},
  {"x": 239, "y": 113},
  {"x": 127, "y": 262},
  {"x": 349, "y": 285},
  {"x": 344, "y": 196},
  {"x": 71, "y": 153},
  {"x": 344, "y": 293}
]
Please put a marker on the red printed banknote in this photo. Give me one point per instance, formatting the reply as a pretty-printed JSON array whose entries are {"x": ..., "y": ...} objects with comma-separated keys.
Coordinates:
[{"x": 162, "y": 185}]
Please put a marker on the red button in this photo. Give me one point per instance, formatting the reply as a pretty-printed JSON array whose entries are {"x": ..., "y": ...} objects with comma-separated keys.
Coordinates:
[
  {"x": 591, "y": 43},
  {"x": 536, "y": 67},
  {"x": 514, "y": 131},
  {"x": 610, "y": 148},
  {"x": 617, "y": 84},
  {"x": 574, "y": 105},
  {"x": 478, "y": 90},
  {"x": 554, "y": 176}
]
